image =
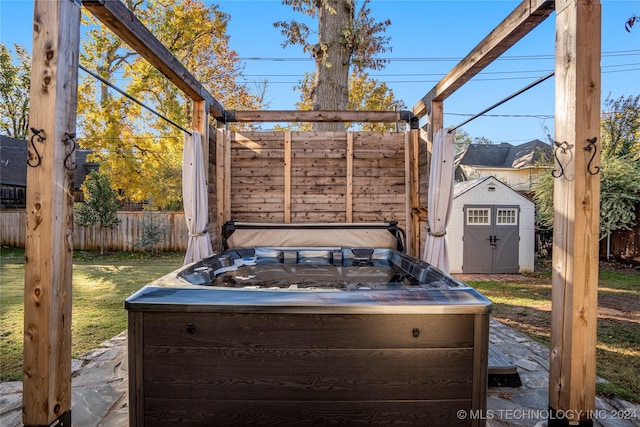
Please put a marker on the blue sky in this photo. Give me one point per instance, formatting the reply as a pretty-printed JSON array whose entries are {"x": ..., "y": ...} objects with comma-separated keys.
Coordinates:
[{"x": 428, "y": 38}]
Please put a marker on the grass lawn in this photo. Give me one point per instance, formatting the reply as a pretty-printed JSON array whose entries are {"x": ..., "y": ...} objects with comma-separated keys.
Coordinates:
[
  {"x": 526, "y": 306},
  {"x": 100, "y": 285}
]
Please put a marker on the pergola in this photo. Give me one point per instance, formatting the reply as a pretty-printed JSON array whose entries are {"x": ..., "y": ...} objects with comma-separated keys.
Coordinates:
[{"x": 48, "y": 252}]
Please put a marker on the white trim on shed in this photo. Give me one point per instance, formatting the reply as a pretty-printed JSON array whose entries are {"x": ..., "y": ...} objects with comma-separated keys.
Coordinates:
[{"x": 490, "y": 192}]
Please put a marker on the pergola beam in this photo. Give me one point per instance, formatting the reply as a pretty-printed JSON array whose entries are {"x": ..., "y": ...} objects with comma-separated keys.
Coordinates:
[
  {"x": 319, "y": 116},
  {"x": 119, "y": 19},
  {"x": 514, "y": 27}
]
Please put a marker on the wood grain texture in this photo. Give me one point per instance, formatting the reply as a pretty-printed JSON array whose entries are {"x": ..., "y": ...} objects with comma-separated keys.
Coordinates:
[
  {"x": 313, "y": 176},
  {"x": 307, "y": 369},
  {"x": 49, "y": 205},
  {"x": 135, "y": 355},
  {"x": 316, "y": 116},
  {"x": 313, "y": 331},
  {"x": 301, "y": 413},
  {"x": 576, "y": 210},
  {"x": 307, "y": 374}
]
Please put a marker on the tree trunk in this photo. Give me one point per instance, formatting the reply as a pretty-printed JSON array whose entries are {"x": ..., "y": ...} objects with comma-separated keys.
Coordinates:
[{"x": 331, "y": 88}]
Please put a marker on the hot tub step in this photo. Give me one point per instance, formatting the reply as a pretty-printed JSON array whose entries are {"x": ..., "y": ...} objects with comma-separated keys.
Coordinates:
[{"x": 502, "y": 371}]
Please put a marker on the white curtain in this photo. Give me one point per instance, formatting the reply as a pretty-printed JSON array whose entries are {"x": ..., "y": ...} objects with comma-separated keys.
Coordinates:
[
  {"x": 440, "y": 199},
  {"x": 194, "y": 197}
]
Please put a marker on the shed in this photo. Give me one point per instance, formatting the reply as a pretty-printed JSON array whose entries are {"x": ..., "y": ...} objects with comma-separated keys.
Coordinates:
[{"x": 491, "y": 229}]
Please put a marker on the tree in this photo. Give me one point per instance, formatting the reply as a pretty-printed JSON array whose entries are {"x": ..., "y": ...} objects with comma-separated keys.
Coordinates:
[
  {"x": 542, "y": 189},
  {"x": 619, "y": 184},
  {"x": 365, "y": 93},
  {"x": 153, "y": 231},
  {"x": 100, "y": 205},
  {"x": 344, "y": 39},
  {"x": 14, "y": 92},
  {"x": 463, "y": 140},
  {"x": 141, "y": 153},
  {"x": 619, "y": 194},
  {"x": 619, "y": 169},
  {"x": 620, "y": 127}
]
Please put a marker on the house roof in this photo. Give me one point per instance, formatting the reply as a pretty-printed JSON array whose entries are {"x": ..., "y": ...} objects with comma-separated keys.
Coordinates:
[
  {"x": 13, "y": 163},
  {"x": 504, "y": 155}
]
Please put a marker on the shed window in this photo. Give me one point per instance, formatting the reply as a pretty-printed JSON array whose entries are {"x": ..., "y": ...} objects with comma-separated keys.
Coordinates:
[
  {"x": 507, "y": 217},
  {"x": 478, "y": 216}
]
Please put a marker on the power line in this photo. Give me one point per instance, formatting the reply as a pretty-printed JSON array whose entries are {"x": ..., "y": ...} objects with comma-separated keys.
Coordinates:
[
  {"x": 245, "y": 81},
  {"x": 441, "y": 74},
  {"x": 441, "y": 59},
  {"x": 535, "y": 116}
]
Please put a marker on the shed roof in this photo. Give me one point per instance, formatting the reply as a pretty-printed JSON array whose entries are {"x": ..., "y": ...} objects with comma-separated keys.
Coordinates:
[{"x": 465, "y": 186}]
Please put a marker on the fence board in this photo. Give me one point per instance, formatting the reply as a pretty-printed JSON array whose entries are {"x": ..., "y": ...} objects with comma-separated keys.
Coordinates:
[{"x": 125, "y": 237}]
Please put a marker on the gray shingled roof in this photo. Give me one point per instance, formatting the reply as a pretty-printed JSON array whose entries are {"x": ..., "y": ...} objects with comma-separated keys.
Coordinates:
[
  {"x": 13, "y": 163},
  {"x": 504, "y": 155}
]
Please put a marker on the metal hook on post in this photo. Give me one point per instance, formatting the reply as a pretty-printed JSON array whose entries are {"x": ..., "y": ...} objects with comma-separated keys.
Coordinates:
[
  {"x": 70, "y": 138},
  {"x": 564, "y": 147},
  {"x": 592, "y": 145},
  {"x": 38, "y": 159}
]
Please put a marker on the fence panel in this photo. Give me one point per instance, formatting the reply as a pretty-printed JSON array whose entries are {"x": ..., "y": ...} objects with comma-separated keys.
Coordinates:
[{"x": 127, "y": 236}]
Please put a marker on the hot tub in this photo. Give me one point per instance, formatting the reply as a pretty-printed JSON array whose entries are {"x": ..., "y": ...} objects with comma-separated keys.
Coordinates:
[{"x": 281, "y": 331}]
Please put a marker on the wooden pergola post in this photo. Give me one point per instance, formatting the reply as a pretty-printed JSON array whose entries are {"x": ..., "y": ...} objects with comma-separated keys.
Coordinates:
[
  {"x": 200, "y": 123},
  {"x": 49, "y": 245},
  {"x": 572, "y": 373},
  {"x": 436, "y": 118}
]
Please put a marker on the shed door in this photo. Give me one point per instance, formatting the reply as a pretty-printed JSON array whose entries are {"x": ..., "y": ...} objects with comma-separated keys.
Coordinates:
[{"x": 491, "y": 239}]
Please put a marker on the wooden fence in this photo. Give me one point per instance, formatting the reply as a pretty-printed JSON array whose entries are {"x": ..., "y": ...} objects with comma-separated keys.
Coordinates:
[
  {"x": 127, "y": 236},
  {"x": 624, "y": 244},
  {"x": 307, "y": 176}
]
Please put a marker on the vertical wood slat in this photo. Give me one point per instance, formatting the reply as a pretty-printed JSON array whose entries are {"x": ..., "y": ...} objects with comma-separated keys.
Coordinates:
[
  {"x": 220, "y": 181},
  {"x": 135, "y": 354},
  {"x": 49, "y": 204},
  {"x": 287, "y": 176},
  {"x": 13, "y": 227},
  {"x": 211, "y": 185},
  {"x": 227, "y": 175},
  {"x": 576, "y": 211},
  {"x": 436, "y": 118},
  {"x": 480, "y": 366},
  {"x": 349, "y": 191},
  {"x": 408, "y": 164},
  {"x": 414, "y": 190}
]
